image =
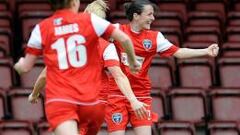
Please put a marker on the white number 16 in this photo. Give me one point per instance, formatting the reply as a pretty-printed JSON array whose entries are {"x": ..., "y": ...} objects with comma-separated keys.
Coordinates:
[{"x": 74, "y": 51}]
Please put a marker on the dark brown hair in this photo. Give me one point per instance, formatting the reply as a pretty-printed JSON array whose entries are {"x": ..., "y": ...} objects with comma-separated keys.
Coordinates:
[
  {"x": 60, "y": 4},
  {"x": 136, "y": 6}
]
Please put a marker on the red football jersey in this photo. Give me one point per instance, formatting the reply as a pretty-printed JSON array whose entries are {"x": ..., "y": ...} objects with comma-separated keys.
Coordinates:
[
  {"x": 68, "y": 42},
  {"x": 110, "y": 58},
  {"x": 147, "y": 44}
]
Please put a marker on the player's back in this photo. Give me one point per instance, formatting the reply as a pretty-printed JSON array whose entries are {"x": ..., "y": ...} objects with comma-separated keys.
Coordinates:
[{"x": 69, "y": 46}]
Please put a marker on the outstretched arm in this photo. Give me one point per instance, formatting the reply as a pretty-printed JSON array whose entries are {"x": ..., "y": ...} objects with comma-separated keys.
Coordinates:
[
  {"x": 211, "y": 51},
  {"x": 38, "y": 86},
  {"x": 124, "y": 85},
  {"x": 25, "y": 64}
]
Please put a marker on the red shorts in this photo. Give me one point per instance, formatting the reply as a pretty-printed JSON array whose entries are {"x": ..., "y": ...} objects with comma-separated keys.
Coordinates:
[
  {"x": 89, "y": 118},
  {"x": 119, "y": 113}
]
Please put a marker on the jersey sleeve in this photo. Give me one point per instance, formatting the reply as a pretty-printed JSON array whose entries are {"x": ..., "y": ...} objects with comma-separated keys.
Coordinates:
[
  {"x": 102, "y": 27},
  {"x": 110, "y": 56},
  {"x": 34, "y": 45},
  {"x": 164, "y": 47}
]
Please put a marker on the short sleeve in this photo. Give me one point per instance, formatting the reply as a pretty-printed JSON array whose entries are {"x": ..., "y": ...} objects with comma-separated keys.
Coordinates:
[
  {"x": 101, "y": 26},
  {"x": 34, "y": 45}
]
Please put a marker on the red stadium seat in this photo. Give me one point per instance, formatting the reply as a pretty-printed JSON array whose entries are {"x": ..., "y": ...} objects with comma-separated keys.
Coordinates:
[
  {"x": 2, "y": 103},
  {"x": 176, "y": 128},
  {"x": 159, "y": 103},
  {"x": 6, "y": 78},
  {"x": 29, "y": 19},
  {"x": 229, "y": 71},
  {"x": 16, "y": 128},
  {"x": 231, "y": 49},
  {"x": 204, "y": 19},
  {"x": 28, "y": 79},
  {"x": 188, "y": 104},
  {"x": 5, "y": 39},
  {"x": 197, "y": 72},
  {"x": 233, "y": 33},
  {"x": 174, "y": 6},
  {"x": 21, "y": 108},
  {"x": 211, "y": 6},
  {"x": 23, "y": 6},
  {"x": 225, "y": 104},
  {"x": 43, "y": 128},
  {"x": 3, "y": 6},
  {"x": 5, "y": 19},
  {"x": 196, "y": 45},
  {"x": 233, "y": 19},
  {"x": 161, "y": 73},
  {"x": 203, "y": 34},
  {"x": 223, "y": 128}
]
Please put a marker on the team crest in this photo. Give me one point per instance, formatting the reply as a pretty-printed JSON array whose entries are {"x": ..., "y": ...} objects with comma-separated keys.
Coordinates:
[
  {"x": 117, "y": 118},
  {"x": 147, "y": 44}
]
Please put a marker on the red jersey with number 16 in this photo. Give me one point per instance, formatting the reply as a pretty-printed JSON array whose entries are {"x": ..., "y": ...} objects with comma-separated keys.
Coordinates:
[{"x": 68, "y": 42}]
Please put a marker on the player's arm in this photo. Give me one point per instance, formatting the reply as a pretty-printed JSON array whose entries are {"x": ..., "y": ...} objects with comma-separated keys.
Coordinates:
[
  {"x": 211, "y": 51},
  {"x": 124, "y": 86},
  {"x": 38, "y": 86},
  {"x": 33, "y": 50},
  {"x": 106, "y": 30},
  {"x": 127, "y": 44},
  {"x": 25, "y": 64}
]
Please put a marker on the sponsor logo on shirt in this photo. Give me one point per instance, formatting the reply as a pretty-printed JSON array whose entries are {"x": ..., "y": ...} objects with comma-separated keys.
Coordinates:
[
  {"x": 147, "y": 44},
  {"x": 117, "y": 118},
  {"x": 57, "y": 21},
  {"x": 124, "y": 59}
]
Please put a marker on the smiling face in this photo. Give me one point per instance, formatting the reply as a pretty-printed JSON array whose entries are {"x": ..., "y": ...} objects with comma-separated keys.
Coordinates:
[{"x": 145, "y": 19}]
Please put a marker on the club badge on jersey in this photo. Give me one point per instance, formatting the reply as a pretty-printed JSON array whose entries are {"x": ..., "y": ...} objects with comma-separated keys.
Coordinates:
[
  {"x": 117, "y": 118},
  {"x": 147, "y": 44}
]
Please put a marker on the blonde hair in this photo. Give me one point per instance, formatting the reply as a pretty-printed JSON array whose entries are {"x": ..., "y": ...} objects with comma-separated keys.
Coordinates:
[{"x": 98, "y": 7}]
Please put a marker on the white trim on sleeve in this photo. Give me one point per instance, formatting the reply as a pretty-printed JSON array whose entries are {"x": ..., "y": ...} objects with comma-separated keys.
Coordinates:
[
  {"x": 100, "y": 25},
  {"x": 110, "y": 53},
  {"x": 35, "y": 40},
  {"x": 162, "y": 43}
]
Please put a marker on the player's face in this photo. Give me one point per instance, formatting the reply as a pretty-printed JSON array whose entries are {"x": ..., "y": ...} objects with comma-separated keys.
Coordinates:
[{"x": 146, "y": 17}]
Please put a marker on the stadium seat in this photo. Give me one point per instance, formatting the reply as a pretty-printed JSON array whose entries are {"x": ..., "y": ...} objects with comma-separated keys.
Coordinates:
[
  {"x": 188, "y": 104},
  {"x": 5, "y": 39},
  {"x": 205, "y": 19},
  {"x": 28, "y": 79},
  {"x": 6, "y": 79},
  {"x": 197, "y": 72},
  {"x": 2, "y": 103},
  {"x": 233, "y": 19},
  {"x": 43, "y": 128},
  {"x": 36, "y": 5},
  {"x": 203, "y": 34},
  {"x": 21, "y": 108},
  {"x": 5, "y": 19},
  {"x": 225, "y": 103},
  {"x": 161, "y": 73},
  {"x": 176, "y": 128},
  {"x": 229, "y": 71},
  {"x": 211, "y": 6},
  {"x": 196, "y": 45},
  {"x": 233, "y": 33},
  {"x": 179, "y": 7},
  {"x": 159, "y": 103},
  {"x": 16, "y": 128},
  {"x": 29, "y": 19},
  {"x": 223, "y": 128},
  {"x": 3, "y": 6},
  {"x": 118, "y": 17},
  {"x": 231, "y": 49}
]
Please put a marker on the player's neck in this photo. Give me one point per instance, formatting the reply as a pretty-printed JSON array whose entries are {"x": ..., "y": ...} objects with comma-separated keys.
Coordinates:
[{"x": 135, "y": 28}]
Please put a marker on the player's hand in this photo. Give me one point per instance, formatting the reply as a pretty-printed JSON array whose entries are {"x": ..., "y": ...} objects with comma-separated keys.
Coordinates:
[
  {"x": 213, "y": 50},
  {"x": 33, "y": 98},
  {"x": 135, "y": 67},
  {"x": 18, "y": 65},
  {"x": 139, "y": 109}
]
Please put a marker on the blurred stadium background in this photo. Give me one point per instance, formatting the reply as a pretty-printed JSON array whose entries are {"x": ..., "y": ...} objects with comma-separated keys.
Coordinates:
[{"x": 193, "y": 96}]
